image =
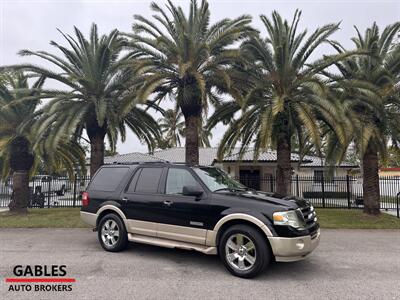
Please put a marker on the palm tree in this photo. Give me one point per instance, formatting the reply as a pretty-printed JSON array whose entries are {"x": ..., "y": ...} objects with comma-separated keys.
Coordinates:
[
  {"x": 284, "y": 99},
  {"x": 98, "y": 97},
  {"x": 368, "y": 87},
  {"x": 204, "y": 136},
  {"x": 187, "y": 60},
  {"x": 20, "y": 149},
  {"x": 173, "y": 128}
]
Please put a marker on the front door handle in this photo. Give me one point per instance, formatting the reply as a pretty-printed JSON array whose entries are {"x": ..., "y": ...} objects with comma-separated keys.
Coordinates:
[
  {"x": 168, "y": 202},
  {"x": 124, "y": 199}
]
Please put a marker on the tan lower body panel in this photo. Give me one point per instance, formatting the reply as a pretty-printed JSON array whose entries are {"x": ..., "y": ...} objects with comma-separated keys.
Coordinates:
[
  {"x": 182, "y": 233},
  {"x": 167, "y": 231},
  {"x": 156, "y": 241},
  {"x": 211, "y": 238},
  {"x": 141, "y": 227}
]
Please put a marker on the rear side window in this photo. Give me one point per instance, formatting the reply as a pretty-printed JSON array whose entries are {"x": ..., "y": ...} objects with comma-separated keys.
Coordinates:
[
  {"x": 132, "y": 184},
  {"x": 108, "y": 179},
  {"x": 148, "y": 180}
]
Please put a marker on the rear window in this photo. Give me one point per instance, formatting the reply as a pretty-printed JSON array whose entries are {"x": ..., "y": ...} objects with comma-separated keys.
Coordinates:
[
  {"x": 148, "y": 180},
  {"x": 108, "y": 179}
]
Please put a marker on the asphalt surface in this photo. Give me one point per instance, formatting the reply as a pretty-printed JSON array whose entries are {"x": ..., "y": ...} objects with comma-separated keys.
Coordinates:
[{"x": 348, "y": 264}]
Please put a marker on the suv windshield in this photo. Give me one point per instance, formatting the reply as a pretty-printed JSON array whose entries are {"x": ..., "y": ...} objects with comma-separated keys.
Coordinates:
[{"x": 216, "y": 179}]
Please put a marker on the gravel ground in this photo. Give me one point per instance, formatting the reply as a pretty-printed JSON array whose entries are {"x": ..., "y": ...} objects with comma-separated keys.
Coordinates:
[{"x": 348, "y": 264}]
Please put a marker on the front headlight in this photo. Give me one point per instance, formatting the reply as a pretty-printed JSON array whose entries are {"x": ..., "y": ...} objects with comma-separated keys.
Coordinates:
[{"x": 292, "y": 218}]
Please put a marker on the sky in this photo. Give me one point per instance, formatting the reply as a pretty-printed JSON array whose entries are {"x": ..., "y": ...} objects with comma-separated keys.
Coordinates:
[{"x": 32, "y": 24}]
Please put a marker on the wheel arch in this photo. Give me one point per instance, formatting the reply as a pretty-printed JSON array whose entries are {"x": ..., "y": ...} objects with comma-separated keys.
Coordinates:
[
  {"x": 234, "y": 219},
  {"x": 109, "y": 208}
]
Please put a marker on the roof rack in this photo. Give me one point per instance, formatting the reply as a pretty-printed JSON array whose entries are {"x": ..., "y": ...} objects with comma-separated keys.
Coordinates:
[
  {"x": 153, "y": 162},
  {"x": 123, "y": 163},
  {"x": 140, "y": 162}
]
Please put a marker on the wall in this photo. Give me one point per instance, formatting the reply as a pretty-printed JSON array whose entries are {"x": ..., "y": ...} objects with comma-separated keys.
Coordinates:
[
  {"x": 306, "y": 176},
  {"x": 389, "y": 173}
]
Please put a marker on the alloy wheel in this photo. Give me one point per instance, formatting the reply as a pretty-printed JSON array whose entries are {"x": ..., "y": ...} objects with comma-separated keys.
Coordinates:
[
  {"x": 110, "y": 233},
  {"x": 240, "y": 252}
]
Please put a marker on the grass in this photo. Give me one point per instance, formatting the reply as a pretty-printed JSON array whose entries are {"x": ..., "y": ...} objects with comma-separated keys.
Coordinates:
[
  {"x": 355, "y": 219},
  {"x": 69, "y": 218},
  {"x": 43, "y": 218}
]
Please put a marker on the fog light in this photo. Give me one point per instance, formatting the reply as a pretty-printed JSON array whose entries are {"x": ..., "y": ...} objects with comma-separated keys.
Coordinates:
[{"x": 300, "y": 244}]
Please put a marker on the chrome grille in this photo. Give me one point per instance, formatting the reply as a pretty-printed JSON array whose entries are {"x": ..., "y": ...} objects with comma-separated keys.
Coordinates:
[
  {"x": 309, "y": 215},
  {"x": 314, "y": 234}
]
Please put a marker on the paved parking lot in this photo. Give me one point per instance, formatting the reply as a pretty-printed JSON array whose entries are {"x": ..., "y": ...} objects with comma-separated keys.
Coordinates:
[{"x": 349, "y": 264}]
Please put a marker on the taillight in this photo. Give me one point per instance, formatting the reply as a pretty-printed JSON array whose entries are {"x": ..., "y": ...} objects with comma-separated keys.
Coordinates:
[{"x": 85, "y": 199}]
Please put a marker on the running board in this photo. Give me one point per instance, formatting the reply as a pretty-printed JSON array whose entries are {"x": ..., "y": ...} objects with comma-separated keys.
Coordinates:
[{"x": 171, "y": 244}]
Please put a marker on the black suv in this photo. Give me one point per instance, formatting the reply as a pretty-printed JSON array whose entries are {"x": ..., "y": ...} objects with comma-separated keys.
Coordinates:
[{"x": 198, "y": 208}]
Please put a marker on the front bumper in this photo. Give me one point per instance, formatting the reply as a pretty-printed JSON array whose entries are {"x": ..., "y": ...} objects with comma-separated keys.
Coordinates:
[{"x": 293, "y": 249}]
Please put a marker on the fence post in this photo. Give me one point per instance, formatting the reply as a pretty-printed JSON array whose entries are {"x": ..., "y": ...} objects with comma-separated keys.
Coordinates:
[
  {"x": 271, "y": 183},
  {"x": 323, "y": 190},
  {"x": 297, "y": 185},
  {"x": 74, "y": 199},
  {"x": 348, "y": 191},
  {"x": 49, "y": 193}
]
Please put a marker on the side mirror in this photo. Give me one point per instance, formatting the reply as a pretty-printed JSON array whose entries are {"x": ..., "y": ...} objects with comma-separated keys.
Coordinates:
[{"x": 191, "y": 190}]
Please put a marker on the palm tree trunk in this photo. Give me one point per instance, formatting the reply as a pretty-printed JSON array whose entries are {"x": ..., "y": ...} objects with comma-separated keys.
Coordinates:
[
  {"x": 192, "y": 139},
  {"x": 96, "y": 151},
  {"x": 21, "y": 161},
  {"x": 96, "y": 136},
  {"x": 371, "y": 181},
  {"x": 284, "y": 168},
  {"x": 20, "y": 195}
]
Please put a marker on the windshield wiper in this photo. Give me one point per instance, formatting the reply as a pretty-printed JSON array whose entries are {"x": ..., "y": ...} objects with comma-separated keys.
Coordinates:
[{"x": 230, "y": 189}]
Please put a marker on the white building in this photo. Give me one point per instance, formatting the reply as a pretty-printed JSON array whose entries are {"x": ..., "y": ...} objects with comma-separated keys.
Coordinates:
[{"x": 258, "y": 174}]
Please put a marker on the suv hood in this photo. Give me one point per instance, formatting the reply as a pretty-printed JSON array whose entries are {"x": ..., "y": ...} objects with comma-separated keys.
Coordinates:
[{"x": 289, "y": 202}]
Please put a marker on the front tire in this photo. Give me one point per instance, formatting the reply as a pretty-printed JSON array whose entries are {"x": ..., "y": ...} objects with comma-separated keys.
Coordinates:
[
  {"x": 112, "y": 233},
  {"x": 244, "y": 251}
]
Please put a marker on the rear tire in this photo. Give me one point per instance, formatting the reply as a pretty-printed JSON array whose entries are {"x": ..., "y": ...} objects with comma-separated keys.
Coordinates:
[
  {"x": 244, "y": 251},
  {"x": 112, "y": 234}
]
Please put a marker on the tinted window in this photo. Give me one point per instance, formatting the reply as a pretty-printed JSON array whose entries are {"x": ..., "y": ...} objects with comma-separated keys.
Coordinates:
[
  {"x": 132, "y": 184},
  {"x": 148, "y": 180},
  {"x": 177, "y": 179},
  {"x": 108, "y": 179}
]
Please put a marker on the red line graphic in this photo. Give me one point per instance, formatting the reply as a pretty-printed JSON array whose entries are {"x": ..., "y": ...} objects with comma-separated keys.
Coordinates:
[{"x": 33, "y": 279}]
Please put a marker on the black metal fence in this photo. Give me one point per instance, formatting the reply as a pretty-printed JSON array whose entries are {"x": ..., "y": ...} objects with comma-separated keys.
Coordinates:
[
  {"x": 329, "y": 192},
  {"x": 48, "y": 191},
  {"x": 332, "y": 192}
]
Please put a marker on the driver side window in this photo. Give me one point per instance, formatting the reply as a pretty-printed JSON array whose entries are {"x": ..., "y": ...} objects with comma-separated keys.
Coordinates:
[{"x": 177, "y": 179}]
